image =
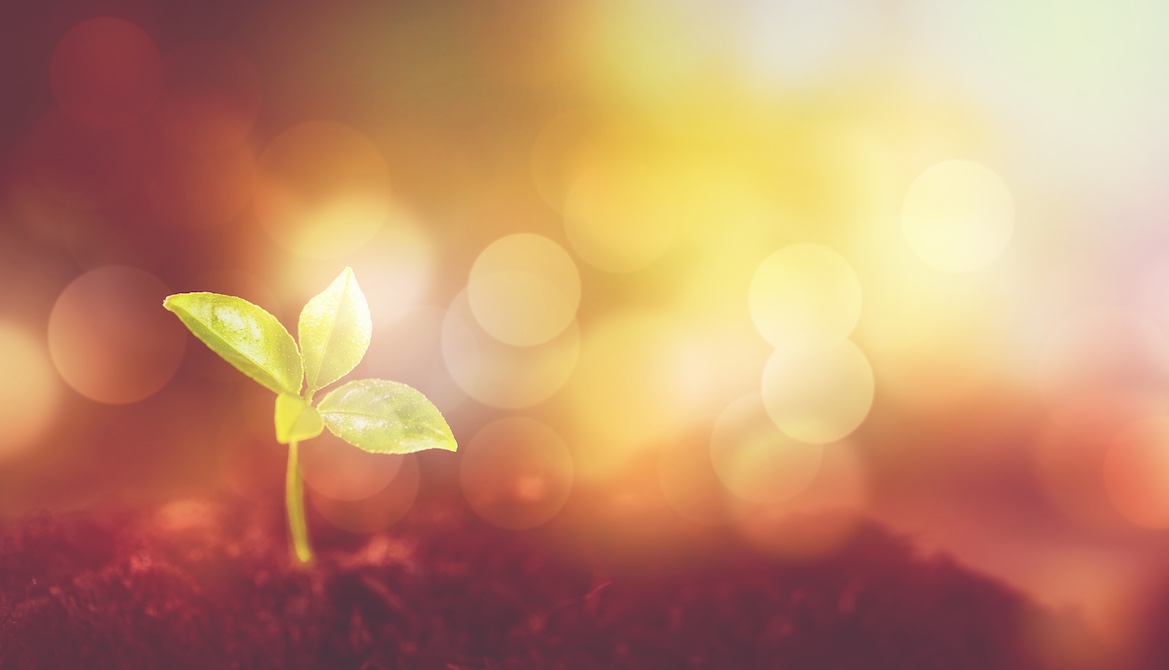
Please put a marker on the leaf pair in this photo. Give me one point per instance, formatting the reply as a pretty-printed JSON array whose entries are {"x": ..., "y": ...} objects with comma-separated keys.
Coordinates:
[{"x": 334, "y": 330}]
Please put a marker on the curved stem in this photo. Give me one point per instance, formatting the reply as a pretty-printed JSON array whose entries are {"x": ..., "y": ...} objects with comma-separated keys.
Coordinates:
[{"x": 294, "y": 503}]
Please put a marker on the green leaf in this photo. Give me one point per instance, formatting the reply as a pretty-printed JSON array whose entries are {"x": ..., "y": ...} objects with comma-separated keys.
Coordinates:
[
  {"x": 385, "y": 417},
  {"x": 244, "y": 335},
  {"x": 296, "y": 419},
  {"x": 334, "y": 331}
]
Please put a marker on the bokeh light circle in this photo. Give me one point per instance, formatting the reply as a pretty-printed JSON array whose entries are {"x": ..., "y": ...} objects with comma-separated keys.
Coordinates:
[
  {"x": 322, "y": 189},
  {"x": 502, "y": 375},
  {"x": 378, "y": 511},
  {"x": 210, "y": 97},
  {"x": 524, "y": 289},
  {"x": 755, "y": 460},
  {"x": 914, "y": 323},
  {"x": 958, "y": 216},
  {"x": 106, "y": 73},
  {"x": 516, "y": 473},
  {"x": 818, "y": 388},
  {"x": 1136, "y": 473},
  {"x": 340, "y": 471},
  {"x": 29, "y": 401},
  {"x": 804, "y": 287},
  {"x": 109, "y": 337},
  {"x": 620, "y": 216}
]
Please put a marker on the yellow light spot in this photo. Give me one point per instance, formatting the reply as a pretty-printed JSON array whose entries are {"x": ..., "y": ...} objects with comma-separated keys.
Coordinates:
[
  {"x": 818, "y": 389},
  {"x": 322, "y": 189},
  {"x": 636, "y": 384},
  {"x": 109, "y": 337},
  {"x": 1136, "y": 472},
  {"x": 394, "y": 268},
  {"x": 619, "y": 215},
  {"x": 502, "y": 375},
  {"x": 915, "y": 323},
  {"x": 958, "y": 216},
  {"x": 647, "y": 51},
  {"x": 29, "y": 401},
  {"x": 516, "y": 473},
  {"x": 804, "y": 287},
  {"x": 524, "y": 289},
  {"x": 716, "y": 194},
  {"x": 755, "y": 460}
]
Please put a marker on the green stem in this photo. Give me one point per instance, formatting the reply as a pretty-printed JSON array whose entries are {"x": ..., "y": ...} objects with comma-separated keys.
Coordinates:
[{"x": 294, "y": 502}]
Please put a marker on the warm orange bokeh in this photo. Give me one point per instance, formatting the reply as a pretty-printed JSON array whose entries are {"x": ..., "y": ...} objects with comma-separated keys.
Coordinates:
[{"x": 752, "y": 260}]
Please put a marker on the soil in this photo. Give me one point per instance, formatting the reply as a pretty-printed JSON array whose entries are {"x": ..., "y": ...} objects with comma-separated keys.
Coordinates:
[{"x": 209, "y": 584}]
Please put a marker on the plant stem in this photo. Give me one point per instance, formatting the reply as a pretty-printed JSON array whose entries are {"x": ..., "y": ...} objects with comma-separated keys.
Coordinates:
[{"x": 294, "y": 502}]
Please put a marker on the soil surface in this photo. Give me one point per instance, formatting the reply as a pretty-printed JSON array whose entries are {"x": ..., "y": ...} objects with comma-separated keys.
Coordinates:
[{"x": 209, "y": 584}]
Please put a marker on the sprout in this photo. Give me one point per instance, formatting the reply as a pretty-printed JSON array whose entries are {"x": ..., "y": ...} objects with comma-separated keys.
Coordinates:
[{"x": 377, "y": 415}]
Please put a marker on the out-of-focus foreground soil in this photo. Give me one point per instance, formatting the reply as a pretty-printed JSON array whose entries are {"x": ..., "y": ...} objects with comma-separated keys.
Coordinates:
[{"x": 209, "y": 584}]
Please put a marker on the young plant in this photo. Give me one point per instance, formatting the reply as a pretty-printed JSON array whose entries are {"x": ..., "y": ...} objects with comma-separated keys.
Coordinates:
[{"x": 377, "y": 415}]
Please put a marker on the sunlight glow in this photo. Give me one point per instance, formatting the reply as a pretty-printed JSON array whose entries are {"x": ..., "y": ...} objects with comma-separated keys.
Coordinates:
[
  {"x": 28, "y": 405},
  {"x": 109, "y": 338},
  {"x": 323, "y": 189},
  {"x": 524, "y": 289},
  {"x": 804, "y": 287},
  {"x": 755, "y": 460},
  {"x": 818, "y": 389},
  {"x": 958, "y": 216}
]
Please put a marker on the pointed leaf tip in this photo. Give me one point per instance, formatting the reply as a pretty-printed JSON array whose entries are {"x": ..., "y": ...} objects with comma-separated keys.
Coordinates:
[
  {"x": 244, "y": 335},
  {"x": 385, "y": 417},
  {"x": 334, "y": 331}
]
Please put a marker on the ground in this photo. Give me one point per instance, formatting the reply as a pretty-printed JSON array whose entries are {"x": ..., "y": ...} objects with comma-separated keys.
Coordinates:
[{"x": 208, "y": 583}]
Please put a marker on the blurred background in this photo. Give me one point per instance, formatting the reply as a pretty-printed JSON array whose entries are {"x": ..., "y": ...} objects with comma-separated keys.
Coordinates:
[{"x": 658, "y": 262}]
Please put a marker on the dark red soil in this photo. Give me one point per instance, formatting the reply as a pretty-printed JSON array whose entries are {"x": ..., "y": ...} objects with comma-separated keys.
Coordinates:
[{"x": 209, "y": 585}]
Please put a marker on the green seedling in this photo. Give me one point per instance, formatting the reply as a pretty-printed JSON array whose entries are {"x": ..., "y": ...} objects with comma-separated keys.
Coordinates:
[{"x": 376, "y": 415}]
